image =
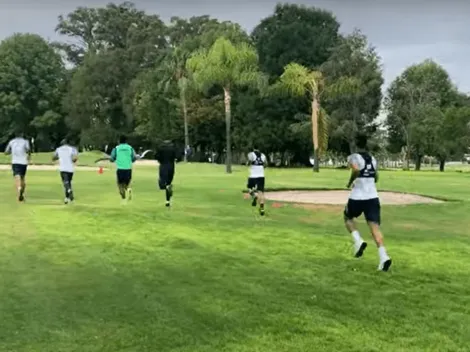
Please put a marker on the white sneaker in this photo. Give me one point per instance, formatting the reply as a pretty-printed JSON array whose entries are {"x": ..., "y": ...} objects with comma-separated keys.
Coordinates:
[
  {"x": 66, "y": 201},
  {"x": 359, "y": 248},
  {"x": 385, "y": 264}
]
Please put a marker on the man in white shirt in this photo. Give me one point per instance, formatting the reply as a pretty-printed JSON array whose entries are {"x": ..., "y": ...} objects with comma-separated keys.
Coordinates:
[
  {"x": 20, "y": 151},
  {"x": 257, "y": 162},
  {"x": 364, "y": 199},
  {"x": 67, "y": 156}
]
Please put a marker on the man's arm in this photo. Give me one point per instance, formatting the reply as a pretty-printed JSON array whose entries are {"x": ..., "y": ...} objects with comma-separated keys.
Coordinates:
[
  {"x": 8, "y": 149},
  {"x": 55, "y": 156},
  {"x": 355, "y": 171},
  {"x": 134, "y": 156},
  {"x": 74, "y": 155},
  {"x": 111, "y": 158}
]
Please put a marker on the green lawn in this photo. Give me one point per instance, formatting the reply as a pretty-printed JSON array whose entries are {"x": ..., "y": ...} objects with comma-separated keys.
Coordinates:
[
  {"x": 85, "y": 159},
  {"x": 211, "y": 275}
]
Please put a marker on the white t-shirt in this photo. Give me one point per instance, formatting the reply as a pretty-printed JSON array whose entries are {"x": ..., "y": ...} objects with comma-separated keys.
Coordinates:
[
  {"x": 66, "y": 154},
  {"x": 19, "y": 149},
  {"x": 364, "y": 187},
  {"x": 257, "y": 165}
]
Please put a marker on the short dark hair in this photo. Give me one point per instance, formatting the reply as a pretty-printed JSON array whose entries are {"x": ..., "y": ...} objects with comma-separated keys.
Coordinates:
[
  {"x": 361, "y": 141},
  {"x": 122, "y": 139},
  {"x": 19, "y": 134}
]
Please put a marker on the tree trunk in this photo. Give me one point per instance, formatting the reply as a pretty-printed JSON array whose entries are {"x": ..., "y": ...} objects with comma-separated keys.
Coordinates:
[
  {"x": 185, "y": 121},
  {"x": 419, "y": 159},
  {"x": 315, "y": 109},
  {"x": 442, "y": 165},
  {"x": 228, "y": 120}
]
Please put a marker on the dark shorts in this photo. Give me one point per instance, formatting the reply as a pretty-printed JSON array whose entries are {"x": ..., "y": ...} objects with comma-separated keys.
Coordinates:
[
  {"x": 370, "y": 208},
  {"x": 256, "y": 182},
  {"x": 66, "y": 176},
  {"x": 165, "y": 175},
  {"x": 124, "y": 177},
  {"x": 19, "y": 169}
]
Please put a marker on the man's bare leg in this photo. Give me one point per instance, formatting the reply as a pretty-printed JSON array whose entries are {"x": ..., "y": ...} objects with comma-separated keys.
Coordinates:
[
  {"x": 359, "y": 244},
  {"x": 20, "y": 187},
  {"x": 122, "y": 190},
  {"x": 384, "y": 259},
  {"x": 261, "y": 202}
]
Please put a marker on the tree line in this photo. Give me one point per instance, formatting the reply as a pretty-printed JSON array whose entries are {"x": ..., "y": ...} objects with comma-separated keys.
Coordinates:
[{"x": 295, "y": 87}]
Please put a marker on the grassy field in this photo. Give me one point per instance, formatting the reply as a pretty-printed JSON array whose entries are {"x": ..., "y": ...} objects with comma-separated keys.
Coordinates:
[
  {"x": 86, "y": 158},
  {"x": 211, "y": 275}
]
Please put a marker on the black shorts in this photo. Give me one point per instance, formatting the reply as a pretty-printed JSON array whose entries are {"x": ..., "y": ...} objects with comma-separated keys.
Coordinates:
[
  {"x": 166, "y": 174},
  {"x": 66, "y": 176},
  {"x": 19, "y": 169},
  {"x": 124, "y": 177},
  {"x": 369, "y": 207},
  {"x": 256, "y": 182}
]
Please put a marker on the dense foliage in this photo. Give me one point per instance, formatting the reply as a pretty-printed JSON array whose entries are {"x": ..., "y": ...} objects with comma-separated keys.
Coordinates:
[{"x": 210, "y": 85}]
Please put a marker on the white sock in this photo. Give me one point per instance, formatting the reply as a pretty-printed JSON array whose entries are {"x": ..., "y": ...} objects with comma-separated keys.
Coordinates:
[
  {"x": 382, "y": 253},
  {"x": 357, "y": 236}
]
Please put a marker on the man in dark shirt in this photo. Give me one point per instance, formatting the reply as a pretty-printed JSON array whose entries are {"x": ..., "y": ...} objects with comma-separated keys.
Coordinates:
[{"x": 166, "y": 156}]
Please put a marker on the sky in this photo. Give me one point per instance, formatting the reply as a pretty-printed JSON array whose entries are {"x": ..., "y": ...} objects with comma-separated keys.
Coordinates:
[{"x": 403, "y": 32}]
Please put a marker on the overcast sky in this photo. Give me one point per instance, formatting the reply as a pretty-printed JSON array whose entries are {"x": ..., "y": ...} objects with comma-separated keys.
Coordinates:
[{"x": 404, "y": 32}]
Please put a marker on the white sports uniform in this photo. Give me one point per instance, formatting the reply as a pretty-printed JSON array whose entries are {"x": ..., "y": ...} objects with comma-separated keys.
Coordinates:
[
  {"x": 66, "y": 154},
  {"x": 364, "y": 198},
  {"x": 256, "y": 179},
  {"x": 19, "y": 149}
]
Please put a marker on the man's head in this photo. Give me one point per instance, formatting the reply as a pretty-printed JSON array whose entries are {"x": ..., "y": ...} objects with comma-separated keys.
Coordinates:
[
  {"x": 361, "y": 141},
  {"x": 64, "y": 141},
  {"x": 19, "y": 134},
  {"x": 122, "y": 139},
  {"x": 255, "y": 147}
]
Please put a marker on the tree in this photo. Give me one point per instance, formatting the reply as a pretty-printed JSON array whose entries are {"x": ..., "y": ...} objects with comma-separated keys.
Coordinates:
[
  {"x": 94, "y": 101},
  {"x": 421, "y": 91},
  {"x": 453, "y": 135},
  {"x": 353, "y": 93},
  {"x": 226, "y": 65},
  {"x": 295, "y": 33},
  {"x": 31, "y": 78},
  {"x": 300, "y": 81},
  {"x": 122, "y": 26}
]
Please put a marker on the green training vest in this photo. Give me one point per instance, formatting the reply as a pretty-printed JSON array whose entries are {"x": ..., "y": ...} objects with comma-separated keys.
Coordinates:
[{"x": 124, "y": 155}]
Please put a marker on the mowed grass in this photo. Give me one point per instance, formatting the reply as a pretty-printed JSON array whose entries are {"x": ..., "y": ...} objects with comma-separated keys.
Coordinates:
[
  {"x": 211, "y": 275},
  {"x": 85, "y": 158}
]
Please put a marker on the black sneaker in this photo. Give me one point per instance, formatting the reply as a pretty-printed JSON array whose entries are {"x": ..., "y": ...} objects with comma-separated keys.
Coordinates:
[
  {"x": 21, "y": 198},
  {"x": 167, "y": 204},
  {"x": 261, "y": 212}
]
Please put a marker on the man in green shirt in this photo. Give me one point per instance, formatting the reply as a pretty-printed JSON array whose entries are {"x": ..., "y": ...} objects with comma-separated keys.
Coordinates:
[{"x": 124, "y": 156}]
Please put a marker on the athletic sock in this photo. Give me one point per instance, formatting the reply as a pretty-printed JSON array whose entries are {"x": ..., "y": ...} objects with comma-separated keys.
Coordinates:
[
  {"x": 356, "y": 236},
  {"x": 383, "y": 253},
  {"x": 168, "y": 195}
]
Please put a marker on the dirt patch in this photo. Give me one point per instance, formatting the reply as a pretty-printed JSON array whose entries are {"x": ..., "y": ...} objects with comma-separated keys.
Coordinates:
[{"x": 340, "y": 197}]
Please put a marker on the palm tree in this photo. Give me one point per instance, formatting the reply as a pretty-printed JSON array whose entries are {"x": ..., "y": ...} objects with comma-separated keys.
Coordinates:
[
  {"x": 298, "y": 80},
  {"x": 226, "y": 65},
  {"x": 174, "y": 70}
]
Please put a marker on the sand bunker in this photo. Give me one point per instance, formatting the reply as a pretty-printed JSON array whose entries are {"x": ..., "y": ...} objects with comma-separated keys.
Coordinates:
[{"x": 340, "y": 197}]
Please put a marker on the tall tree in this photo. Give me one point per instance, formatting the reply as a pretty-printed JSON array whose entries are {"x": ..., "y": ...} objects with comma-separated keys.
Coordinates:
[
  {"x": 226, "y": 65},
  {"x": 295, "y": 33},
  {"x": 353, "y": 89},
  {"x": 31, "y": 78},
  {"x": 116, "y": 26},
  {"x": 421, "y": 90},
  {"x": 300, "y": 81}
]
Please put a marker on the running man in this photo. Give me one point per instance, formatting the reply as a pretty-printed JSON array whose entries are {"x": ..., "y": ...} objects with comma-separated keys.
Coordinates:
[
  {"x": 124, "y": 156},
  {"x": 364, "y": 199},
  {"x": 255, "y": 185},
  {"x": 166, "y": 156},
  {"x": 67, "y": 156},
  {"x": 20, "y": 151}
]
